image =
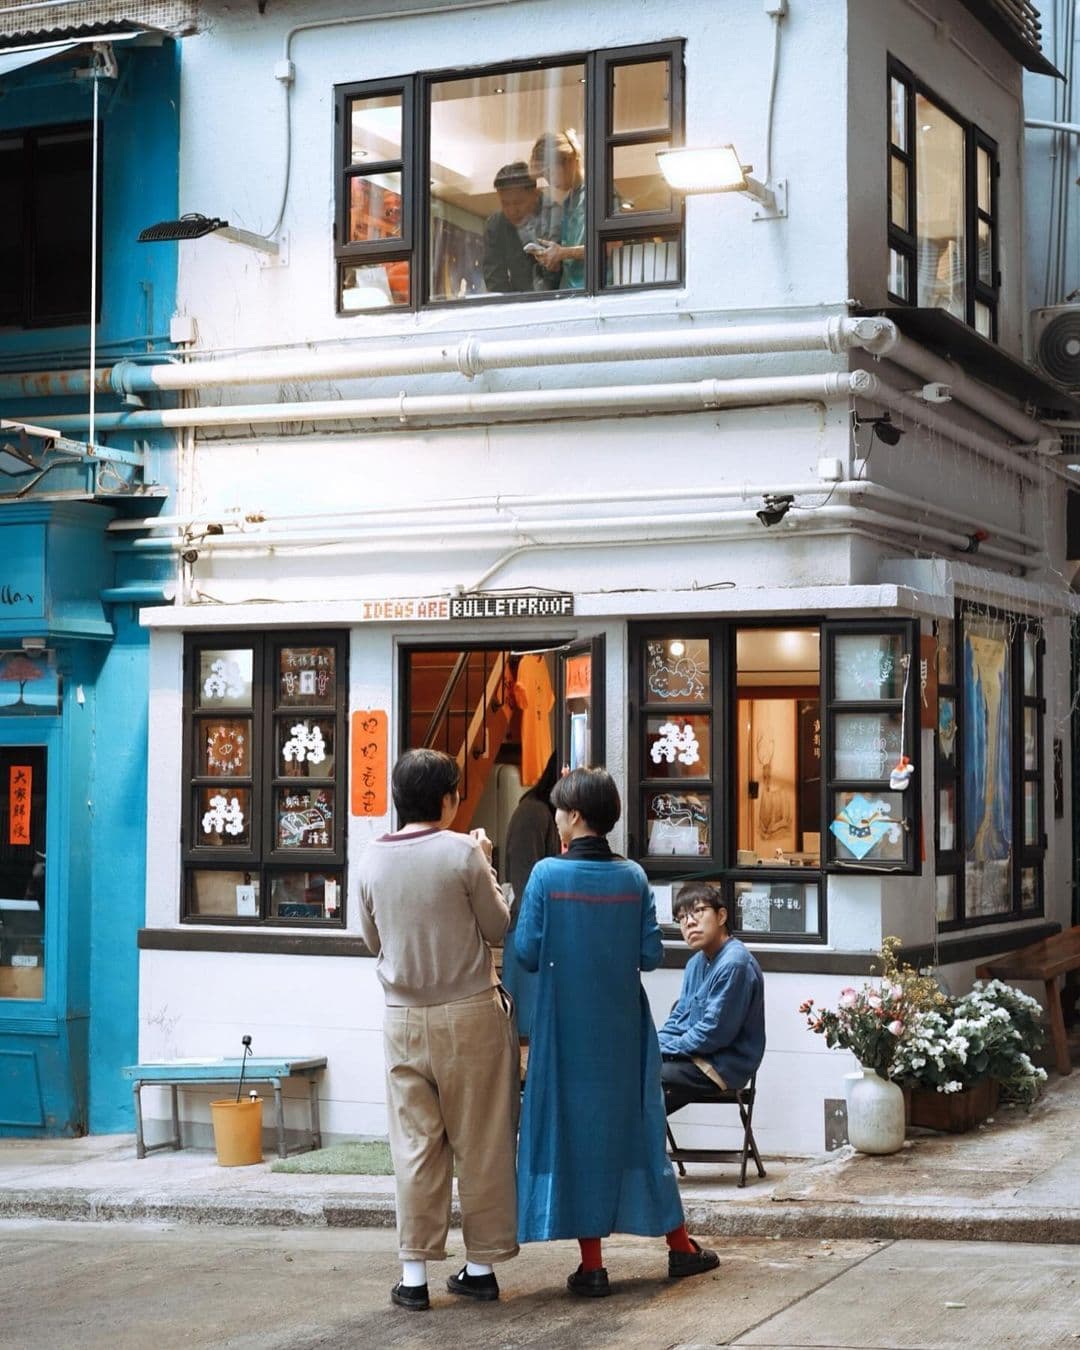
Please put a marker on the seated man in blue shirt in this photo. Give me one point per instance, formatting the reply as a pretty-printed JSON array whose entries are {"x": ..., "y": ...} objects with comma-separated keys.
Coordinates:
[{"x": 715, "y": 1035}]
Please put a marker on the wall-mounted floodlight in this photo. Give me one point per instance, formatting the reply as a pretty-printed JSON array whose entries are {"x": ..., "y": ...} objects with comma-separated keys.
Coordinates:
[
  {"x": 717, "y": 168},
  {"x": 194, "y": 225}
]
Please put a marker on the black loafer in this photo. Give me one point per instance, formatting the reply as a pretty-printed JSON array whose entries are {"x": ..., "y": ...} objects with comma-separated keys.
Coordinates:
[
  {"x": 411, "y": 1296},
  {"x": 697, "y": 1262},
  {"x": 482, "y": 1287},
  {"x": 589, "y": 1283}
]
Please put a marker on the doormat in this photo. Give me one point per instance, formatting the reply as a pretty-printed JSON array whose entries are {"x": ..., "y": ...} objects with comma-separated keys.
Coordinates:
[{"x": 354, "y": 1157}]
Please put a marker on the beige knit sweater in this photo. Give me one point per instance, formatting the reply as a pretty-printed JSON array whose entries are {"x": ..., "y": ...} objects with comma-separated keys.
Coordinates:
[{"x": 430, "y": 906}]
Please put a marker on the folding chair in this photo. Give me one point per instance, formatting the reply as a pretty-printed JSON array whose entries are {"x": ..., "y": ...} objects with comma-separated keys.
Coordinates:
[{"x": 743, "y": 1098}]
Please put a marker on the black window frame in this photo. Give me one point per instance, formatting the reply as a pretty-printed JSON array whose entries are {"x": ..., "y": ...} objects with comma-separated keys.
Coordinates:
[
  {"x": 262, "y": 858},
  {"x": 905, "y": 242},
  {"x": 28, "y": 317},
  {"x": 720, "y": 867},
  {"x": 907, "y": 707},
  {"x": 1025, "y": 856},
  {"x": 600, "y": 140}
]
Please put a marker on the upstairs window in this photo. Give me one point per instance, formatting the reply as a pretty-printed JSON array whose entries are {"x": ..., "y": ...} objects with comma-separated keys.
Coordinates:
[
  {"x": 45, "y": 227},
  {"x": 943, "y": 177},
  {"x": 525, "y": 181}
]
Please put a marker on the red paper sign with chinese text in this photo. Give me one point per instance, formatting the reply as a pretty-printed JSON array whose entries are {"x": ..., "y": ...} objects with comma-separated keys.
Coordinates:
[
  {"x": 21, "y": 779},
  {"x": 370, "y": 757},
  {"x": 579, "y": 676}
]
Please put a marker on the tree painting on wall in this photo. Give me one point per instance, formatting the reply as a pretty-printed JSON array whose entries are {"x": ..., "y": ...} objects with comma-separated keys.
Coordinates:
[{"x": 17, "y": 671}]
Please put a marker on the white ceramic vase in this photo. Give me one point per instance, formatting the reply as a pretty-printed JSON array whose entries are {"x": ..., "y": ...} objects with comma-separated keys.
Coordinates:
[{"x": 875, "y": 1115}]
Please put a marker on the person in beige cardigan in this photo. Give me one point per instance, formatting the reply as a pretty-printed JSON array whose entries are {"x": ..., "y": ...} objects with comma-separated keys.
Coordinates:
[{"x": 430, "y": 908}]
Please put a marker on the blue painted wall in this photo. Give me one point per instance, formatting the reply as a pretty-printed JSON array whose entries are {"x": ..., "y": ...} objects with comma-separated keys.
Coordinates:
[
  {"x": 140, "y": 129},
  {"x": 102, "y": 740}
]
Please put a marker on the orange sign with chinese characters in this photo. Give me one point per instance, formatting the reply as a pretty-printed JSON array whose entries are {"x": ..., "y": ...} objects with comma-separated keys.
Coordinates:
[
  {"x": 579, "y": 676},
  {"x": 370, "y": 757},
  {"x": 21, "y": 779}
]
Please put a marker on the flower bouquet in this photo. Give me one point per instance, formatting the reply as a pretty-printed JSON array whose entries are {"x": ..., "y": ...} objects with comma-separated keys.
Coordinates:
[
  {"x": 869, "y": 1022},
  {"x": 987, "y": 1034}
]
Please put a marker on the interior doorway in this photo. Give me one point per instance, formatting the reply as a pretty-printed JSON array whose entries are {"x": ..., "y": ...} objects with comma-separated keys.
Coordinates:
[{"x": 503, "y": 713}]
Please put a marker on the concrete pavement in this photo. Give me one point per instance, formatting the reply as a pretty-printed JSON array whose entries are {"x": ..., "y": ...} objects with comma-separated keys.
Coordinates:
[
  {"x": 1015, "y": 1179},
  {"x": 94, "y": 1286}
]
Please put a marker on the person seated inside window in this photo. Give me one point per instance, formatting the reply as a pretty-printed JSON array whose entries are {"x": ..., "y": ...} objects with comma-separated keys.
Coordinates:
[
  {"x": 526, "y": 215},
  {"x": 715, "y": 1034},
  {"x": 557, "y": 157}
]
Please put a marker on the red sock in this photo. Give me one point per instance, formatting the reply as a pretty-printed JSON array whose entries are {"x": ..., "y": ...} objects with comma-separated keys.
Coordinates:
[
  {"x": 679, "y": 1239},
  {"x": 591, "y": 1256}
]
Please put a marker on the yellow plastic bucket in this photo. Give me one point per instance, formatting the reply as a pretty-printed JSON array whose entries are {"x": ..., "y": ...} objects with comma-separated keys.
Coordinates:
[{"x": 237, "y": 1132}]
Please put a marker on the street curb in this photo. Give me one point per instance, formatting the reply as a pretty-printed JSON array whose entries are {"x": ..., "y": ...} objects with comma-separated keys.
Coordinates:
[{"x": 718, "y": 1220}]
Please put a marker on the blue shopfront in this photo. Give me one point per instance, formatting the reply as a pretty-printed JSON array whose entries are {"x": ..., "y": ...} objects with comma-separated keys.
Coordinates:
[{"x": 71, "y": 778}]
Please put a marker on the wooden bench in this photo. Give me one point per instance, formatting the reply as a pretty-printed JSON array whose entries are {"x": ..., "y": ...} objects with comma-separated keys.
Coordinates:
[
  {"x": 178, "y": 1073},
  {"x": 1046, "y": 961}
]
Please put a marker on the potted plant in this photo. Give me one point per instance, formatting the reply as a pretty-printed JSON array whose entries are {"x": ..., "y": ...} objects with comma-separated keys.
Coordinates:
[
  {"x": 871, "y": 1023},
  {"x": 955, "y": 1059}
]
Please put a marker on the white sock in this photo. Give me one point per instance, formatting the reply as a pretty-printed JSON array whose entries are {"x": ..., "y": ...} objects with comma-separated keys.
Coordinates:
[
  {"x": 477, "y": 1268},
  {"x": 413, "y": 1273}
]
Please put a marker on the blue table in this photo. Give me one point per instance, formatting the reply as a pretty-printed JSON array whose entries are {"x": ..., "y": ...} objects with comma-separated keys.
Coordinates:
[{"x": 178, "y": 1073}]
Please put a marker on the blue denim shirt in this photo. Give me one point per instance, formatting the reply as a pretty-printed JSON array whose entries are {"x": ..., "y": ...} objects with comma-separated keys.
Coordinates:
[{"x": 720, "y": 1014}]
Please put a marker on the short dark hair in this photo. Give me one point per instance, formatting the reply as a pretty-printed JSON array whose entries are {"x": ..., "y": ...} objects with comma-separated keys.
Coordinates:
[
  {"x": 420, "y": 781},
  {"x": 514, "y": 175},
  {"x": 695, "y": 893},
  {"x": 593, "y": 793}
]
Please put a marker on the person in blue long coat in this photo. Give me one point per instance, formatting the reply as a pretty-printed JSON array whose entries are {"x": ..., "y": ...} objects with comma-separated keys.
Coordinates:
[{"x": 591, "y": 1154}]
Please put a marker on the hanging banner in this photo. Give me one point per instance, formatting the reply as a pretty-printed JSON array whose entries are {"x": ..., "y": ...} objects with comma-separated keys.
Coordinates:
[
  {"x": 21, "y": 780},
  {"x": 370, "y": 757}
]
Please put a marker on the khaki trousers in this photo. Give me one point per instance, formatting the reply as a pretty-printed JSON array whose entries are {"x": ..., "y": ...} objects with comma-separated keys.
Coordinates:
[{"x": 452, "y": 1096}]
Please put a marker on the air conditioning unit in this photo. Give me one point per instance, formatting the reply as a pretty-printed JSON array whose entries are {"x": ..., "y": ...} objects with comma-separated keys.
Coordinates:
[{"x": 1055, "y": 341}]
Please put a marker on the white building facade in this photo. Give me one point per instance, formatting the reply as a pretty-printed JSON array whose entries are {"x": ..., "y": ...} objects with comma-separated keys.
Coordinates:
[{"x": 645, "y": 507}]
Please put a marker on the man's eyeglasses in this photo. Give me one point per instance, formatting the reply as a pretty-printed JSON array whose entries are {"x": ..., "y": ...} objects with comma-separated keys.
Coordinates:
[{"x": 697, "y": 911}]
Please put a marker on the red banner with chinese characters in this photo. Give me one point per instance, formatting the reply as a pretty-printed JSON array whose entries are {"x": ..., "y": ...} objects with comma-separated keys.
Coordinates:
[
  {"x": 370, "y": 757},
  {"x": 579, "y": 676},
  {"x": 21, "y": 781}
]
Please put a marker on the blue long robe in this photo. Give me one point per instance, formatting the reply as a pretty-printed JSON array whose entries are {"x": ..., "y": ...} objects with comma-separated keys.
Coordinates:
[{"x": 591, "y": 1154}]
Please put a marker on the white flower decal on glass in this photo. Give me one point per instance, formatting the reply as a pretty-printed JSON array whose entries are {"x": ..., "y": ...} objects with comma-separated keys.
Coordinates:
[
  {"x": 224, "y": 678},
  {"x": 675, "y": 742},
  {"x": 306, "y": 742},
  {"x": 224, "y": 817}
]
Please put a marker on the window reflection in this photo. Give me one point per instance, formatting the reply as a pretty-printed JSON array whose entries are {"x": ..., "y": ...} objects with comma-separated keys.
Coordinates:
[
  {"x": 491, "y": 199},
  {"x": 939, "y": 183}
]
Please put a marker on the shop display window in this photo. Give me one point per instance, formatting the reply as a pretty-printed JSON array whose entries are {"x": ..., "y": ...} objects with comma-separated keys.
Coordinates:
[
  {"x": 264, "y": 717},
  {"x": 989, "y": 768},
  {"x": 761, "y": 761},
  {"x": 454, "y": 187},
  {"x": 23, "y": 771}
]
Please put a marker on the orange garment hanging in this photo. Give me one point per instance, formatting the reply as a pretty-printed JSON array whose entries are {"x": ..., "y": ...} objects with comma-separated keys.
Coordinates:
[{"x": 535, "y": 697}]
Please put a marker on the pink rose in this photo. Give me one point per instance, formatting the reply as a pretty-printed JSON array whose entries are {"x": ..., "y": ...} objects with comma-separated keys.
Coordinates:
[
  {"x": 847, "y": 998},
  {"x": 896, "y": 992},
  {"x": 897, "y": 1028},
  {"x": 873, "y": 1001}
]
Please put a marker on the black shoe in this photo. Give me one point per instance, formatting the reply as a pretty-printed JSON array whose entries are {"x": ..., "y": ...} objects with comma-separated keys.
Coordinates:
[
  {"x": 589, "y": 1283},
  {"x": 697, "y": 1262},
  {"x": 482, "y": 1287},
  {"x": 411, "y": 1296}
]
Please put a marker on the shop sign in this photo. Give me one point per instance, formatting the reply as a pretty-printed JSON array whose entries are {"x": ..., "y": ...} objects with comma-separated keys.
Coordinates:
[
  {"x": 370, "y": 757},
  {"x": 22, "y": 571},
  {"x": 21, "y": 778},
  {"x": 514, "y": 605},
  {"x": 29, "y": 683},
  {"x": 579, "y": 676}
]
